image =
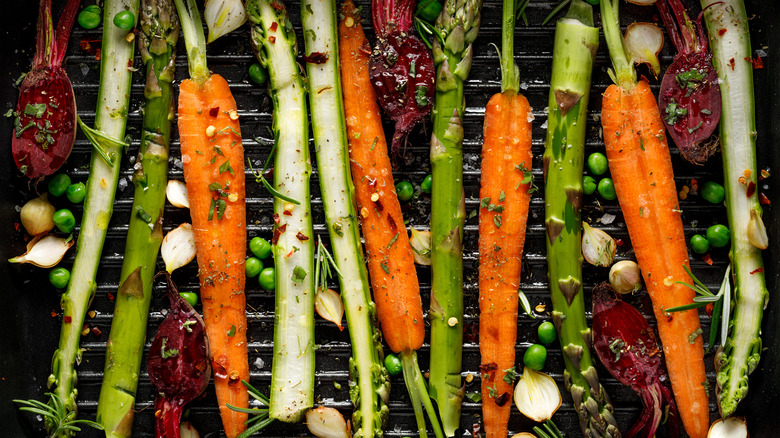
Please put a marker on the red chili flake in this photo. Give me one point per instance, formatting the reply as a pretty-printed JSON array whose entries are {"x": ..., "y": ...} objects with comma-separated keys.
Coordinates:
[
  {"x": 502, "y": 399},
  {"x": 289, "y": 253},
  {"x": 378, "y": 206},
  {"x": 97, "y": 55},
  {"x": 111, "y": 296},
  {"x": 709, "y": 308},
  {"x": 130, "y": 62},
  {"x": 273, "y": 27},
  {"x": 751, "y": 189},
  {"x": 287, "y": 213},
  {"x": 488, "y": 367},
  {"x": 316, "y": 58},
  {"x": 758, "y": 64},
  {"x": 757, "y": 271},
  {"x": 732, "y": 63},
  {"x": 764, "y": 174},
  {"x": 16, "y": 226},
  {"x": 272, "y": 39},
  {"x": 694, "y": 185},
  {"x": 66, "y": 319},
  {"x": 214, "y": 112},
  {"x": 391, "y": 223},
  {"x": 619, "y": 242},
  {"x": 278, "y": 232},
  {"x": 476, "y": 430},
  {"x": 722, "y": 31},
  {"x": 707, "y": 259},
  {"x": 276, "y": 218},
  {"x": 302, "y": 237},
  {"x": 53, "y": 313},
  {"x": 763, "y": 199},
  {"x": 96, "y": 331},
  {"x": 277, "y": 6}
]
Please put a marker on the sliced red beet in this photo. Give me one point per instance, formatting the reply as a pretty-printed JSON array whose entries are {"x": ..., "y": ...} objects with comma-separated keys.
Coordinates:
[
  {"x": 627, "y": 346},
  {"x": 401, "y": 69},
  {"x": 690, "y": 97},
  {"x": 178, "y": 363},
  {"x": 45, "y": 124}
]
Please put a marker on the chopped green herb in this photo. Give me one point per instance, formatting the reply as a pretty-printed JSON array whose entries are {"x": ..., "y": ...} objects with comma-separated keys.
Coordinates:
[
  {"x": 226, "y": 167},
  {"x": 384, "y": 267},
  {"x": 35, "y": 109},
  {"x": 510, "y": 376},
  {"x": 298, "y": 274},
  {"x": 392, "y": 241},
  {"x": 165, "y": 354},
  {"x": 232, "y": 331},
  {"x": 501, "y": 196}
]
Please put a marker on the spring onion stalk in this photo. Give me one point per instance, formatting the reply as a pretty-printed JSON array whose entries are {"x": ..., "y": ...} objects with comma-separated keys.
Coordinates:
[
  {"x": 575, "y": 46},
  {"x": 159, "y": 31},
  {"x": 727, "y": 25},
  {"x": 110, "y": 121},
  {"x": 458, "y": 25},
  {"x": 370, "y": 385},
  {"x": 292, "y": 379}
]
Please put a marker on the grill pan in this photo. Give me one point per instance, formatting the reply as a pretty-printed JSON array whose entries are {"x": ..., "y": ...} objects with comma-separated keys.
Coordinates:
[{"x": 30, "y": 325}]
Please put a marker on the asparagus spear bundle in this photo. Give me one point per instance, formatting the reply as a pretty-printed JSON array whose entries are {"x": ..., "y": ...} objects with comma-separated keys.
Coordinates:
[
  {"x": 159, "y": 31},
  {"x": 292, "y": 380},
  {"x": 576, "y": 41},
  {"x": 458, "y": 25},
  {"x": 370, "y": 385},
  {"x": 738, "y": 356}
]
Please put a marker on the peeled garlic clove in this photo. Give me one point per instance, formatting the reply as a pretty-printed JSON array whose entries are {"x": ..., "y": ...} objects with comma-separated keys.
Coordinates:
[
  {"x": 178, "y": 247},
  {"x": 598, "y": 247},
  {"x": 421, "y": 246},
  {"x": 326, "y": 423},
  {"x": 524, "y": 435},
  {"x": 537, "y": 395},
  {"x": 187, "y": 430},
  {"x": 223, "y": 17},
  {"x": 756, "y": 231},
  {"x": 45, "y": 251},
  {"x": 36, "y": 215},
  {"x": 328, "y": 305},
  {"x": 625, "y": 277},
  {"x": 732, "y": 427},
  {"x": 644, "y": 41},
  {"x": 176, "y": 192}
]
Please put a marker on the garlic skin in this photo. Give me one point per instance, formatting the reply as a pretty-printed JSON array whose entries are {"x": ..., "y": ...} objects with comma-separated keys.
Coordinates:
[
  {"x": 625, "y": 277},
  {"x": 328, "y": 305},
  {"x": 178, "y": 247},
  {"x": 36, "y": 215},
  {"x": 326, "y": 423},
  {"x": 45, "y": 251},
  {"x": 732, "y": 427},
  {"x": 223, "y": 17},
  {"x": 187, "y": 430},
  {"x": 421, "y": 247},
  {"x": 598, "y": 247},
  {"x": 644, "y": 41},
  {"x": 176, "y": 192},
  {"x": 756, "y": 231},
  {"x": 537, "y": 395}
]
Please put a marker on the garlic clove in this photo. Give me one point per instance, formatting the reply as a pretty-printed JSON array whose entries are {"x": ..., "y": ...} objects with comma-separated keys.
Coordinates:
[
  {"x": 756, "y": 231},
  {"x": 36, "y": 215},
  {"x": 326, "y": 423},
  {"x": 732, "y": 427},
  {"x": 178, "y": 247},
  {"x": 625, "y": 277},
  {"x": 45, "y": 251},
  {"x": 537, "y": 395},
  {"x": 187, "y": 430},
  {"x": 223, "y": 17},
  {"x": 328, "y": 305},
  {"x": 421, "y": 247},
  {"x": 524, "y": 435},
  {"x": 598, "y": 247},
  {"x": 644, "y": 41},
  {"x": 176, "y": 192}
]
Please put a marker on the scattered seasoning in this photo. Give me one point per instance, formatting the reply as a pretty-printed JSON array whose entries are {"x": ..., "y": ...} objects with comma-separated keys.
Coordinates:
[
  {"x": 226, "y": 167},
  {"x": 214, "y": 112},
  {"x": 211, "y": 130},
  {"x": 96, "y": 331},
  {"x": 751, "y": 189},
  {"x": 452, "y": 322},
  {"x": 757, "y": 271},
  {"x": 497, "y": 220},
  {"x": 616, "y": 347},
  {"x": 763, "y": 199},
  {"x": 510, "y": 376},
  {"x": 165, "y": 354},
  {"x": 232, "y": 331},
  {"x": 764, "y": 174},
  {"x": 316, "y": 58},
  {"x": 692, "y": 337},
  {"x": 384, "y": 267},
  {"x": 274, "y": 26},
  {"x": 302, "y": 237},
  {"x": 707, "y": 259},
  {"x": 690, "y": 130}
]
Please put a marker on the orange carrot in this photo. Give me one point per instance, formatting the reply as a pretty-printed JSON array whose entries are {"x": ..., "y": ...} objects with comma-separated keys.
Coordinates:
[
  {"x": 641, "y": 168},
  {"x": 213, "y": 158},
  {"x": 502, "y": 223}
]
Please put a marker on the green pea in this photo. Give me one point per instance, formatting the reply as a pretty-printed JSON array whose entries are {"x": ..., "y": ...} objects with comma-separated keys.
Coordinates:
[
  {"x": 606, "y": 189},
  {"x": 393, "y": 364},
  {"x": 253, "y": 266},
  {"x": 76, "y": 193},
  {"x": 535, "y": 357},
  {"x": 58, "y": 184},
  {"x": 260, "y": 247},
  {"x": 588, "y": 185},
  {"x": 427, "y": 184},
  {"x": 547, "y": 333},
  {"x": 267, "y": 279},
  {"x": 190, "y": 297},
  {"x": 597, "y": 163},
  {"x": 258, "y": 74},
  {"x": 59, "y": 278},
  {"x": 124, "y": 20},
  {"x": 713, "y": 192},
  {"x": 593, "y": 2},
  {"x": 429, "y": 10},
  {"x": 718, "y": 235},
  {"x": 89, "y": 17},
  {"x": 64, "y": 220},
  {"x": 699, "y": 244},
  {"x": 404, "y": 190}
]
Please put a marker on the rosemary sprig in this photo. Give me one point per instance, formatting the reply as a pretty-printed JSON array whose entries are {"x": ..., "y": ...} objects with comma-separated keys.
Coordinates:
[
  {"x": 704, "y": 296},
  {"x": 260, "y": 179},
  {"x": 55, "y": 415},
  {"x": 259, "y": 419},
  {"x": 323, "y": 262}
]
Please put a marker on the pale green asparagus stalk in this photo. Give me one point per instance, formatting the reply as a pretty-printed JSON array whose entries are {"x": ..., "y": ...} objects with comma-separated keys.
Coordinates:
[
  {"x": 369, "y": 387},
  {"x": 576, "y": 41},
  {"x": 292, "y": 379},
  {"x": 110, "y": 120},
  {"x": 159, "y": 31},
  {"x": 727, "y": 23},
  {"x": 458, "y": 25}
]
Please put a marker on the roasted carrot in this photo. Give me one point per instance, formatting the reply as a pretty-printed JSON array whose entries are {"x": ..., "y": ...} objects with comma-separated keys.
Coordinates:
[
  {"x": 390, "y": 259},
  {"x": 213, "y": 159},
  {"x": 641, "y": 168},
  {"x": 504, "y": 200}
]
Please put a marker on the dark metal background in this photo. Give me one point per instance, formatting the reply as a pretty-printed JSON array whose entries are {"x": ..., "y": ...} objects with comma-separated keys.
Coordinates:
[{"x": 29, "y": 334}]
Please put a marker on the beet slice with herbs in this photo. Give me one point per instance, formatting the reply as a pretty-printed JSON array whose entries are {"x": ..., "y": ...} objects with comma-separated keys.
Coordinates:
[
  {"x": 45, "y": 115},
  {"x": 401, "y": 70},
  {"x": 627, "y": 346},
  {"x": 179, "y": 364},
  {"x": 690, "y": 97}
]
